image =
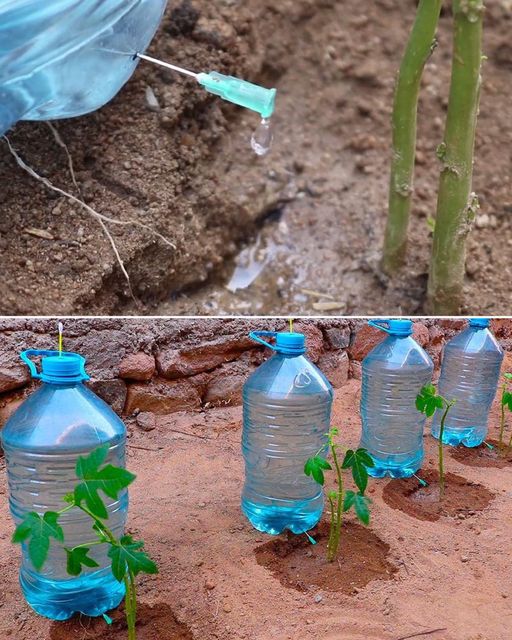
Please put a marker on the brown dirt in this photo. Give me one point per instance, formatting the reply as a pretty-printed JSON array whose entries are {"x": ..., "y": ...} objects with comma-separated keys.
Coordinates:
[
  {"x": 313, "y": 210},
  {"x": 155, "y": 622},
  {"x": 461, "y": 496},
  {"x": 482, "y": 456},
  {"x": 185, "y": 505},
  {"x": 298, "y": 564}
]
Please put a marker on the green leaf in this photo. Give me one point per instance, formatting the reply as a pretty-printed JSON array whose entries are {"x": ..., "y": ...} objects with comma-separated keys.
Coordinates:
[
  {"x": 357, "y": 461},
  {"x": 427, "y": 401},
  {"x": 506, "y": 400},
  {"x": 361, "y": 507},
  {"x": 128, "y": 556},
  {"x": 314, "y": 467},
  {"x": 109, "y": 479},
  {"x": 76, "y": 558},
  {"x": 348, "y": 500},
  {"x": 508, "y": 376},
  {"x": 38, "y": 531}
]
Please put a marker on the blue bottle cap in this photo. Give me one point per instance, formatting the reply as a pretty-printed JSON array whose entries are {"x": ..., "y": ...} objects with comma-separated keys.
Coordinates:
[
  {"x": 481, "y": 323},
  {"x": 393, "y": 326},
  {"x": 290, "y": 344},
  {"x": 56, "y": 367}
]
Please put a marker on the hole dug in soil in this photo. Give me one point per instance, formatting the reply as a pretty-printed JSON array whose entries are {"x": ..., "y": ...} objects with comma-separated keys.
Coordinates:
[
  {"x": 460, "y": 496},
  {"x": 482, "y": 456},
  {"x": 298, "y": 564},
  {"x": 154, "y": 622}
]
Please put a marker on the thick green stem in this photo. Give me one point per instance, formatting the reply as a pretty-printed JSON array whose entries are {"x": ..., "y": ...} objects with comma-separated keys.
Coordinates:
[
  {"x": 419, "y": 48},
  {"x": 448, "y": 406},
  {"x": 130, "y": 604},
  {"x": 502, "y": 418},
  {"x": 456, "y": 205},
  {"x": 335, "y": 533}
]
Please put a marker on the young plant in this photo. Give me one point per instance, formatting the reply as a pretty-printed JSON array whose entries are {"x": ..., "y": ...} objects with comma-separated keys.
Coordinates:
[
  {"x": 341, "y": 500},
  {"x": 427, "y": 401},
  {"x": 127, "y": 555},
  {"x": 419, "y": 48},
  {"x": 506, "y": 403},
  {"x": 456, "y": 204}
]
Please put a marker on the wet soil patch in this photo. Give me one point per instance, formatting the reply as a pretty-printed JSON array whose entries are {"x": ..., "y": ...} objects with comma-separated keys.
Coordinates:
[
  {"x": 298, "y": 564},
  {"x": 460, "y": 496},
  {"x": 482, "y": 456},
  {"x": 154, "y": 622}
]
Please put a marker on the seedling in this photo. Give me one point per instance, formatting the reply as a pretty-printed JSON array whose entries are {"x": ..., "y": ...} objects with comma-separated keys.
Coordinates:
[
  {"x": 127, "y": 555},
  {"x": 341, "y": 500},
  {"x": 427, "y": 401},
  {"x": 506, "y": 403}
]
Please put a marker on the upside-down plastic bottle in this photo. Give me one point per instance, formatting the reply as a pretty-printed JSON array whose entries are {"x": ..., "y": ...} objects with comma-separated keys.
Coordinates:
[
  {"x": 62, "y": 58},
  {"x": 42, "y": 440},
  {"x": 393, "y": 374},
  {"x": 287, "y": 408},
  {"x": 470, "y": 372}
]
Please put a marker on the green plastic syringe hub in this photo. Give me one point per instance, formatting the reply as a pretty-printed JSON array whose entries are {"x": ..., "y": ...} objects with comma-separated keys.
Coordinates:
[{"x": 246, "y": 94}]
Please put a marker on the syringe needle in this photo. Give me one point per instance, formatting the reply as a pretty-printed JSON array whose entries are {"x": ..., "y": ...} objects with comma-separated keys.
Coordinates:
[{"x": 142, "y": 56}]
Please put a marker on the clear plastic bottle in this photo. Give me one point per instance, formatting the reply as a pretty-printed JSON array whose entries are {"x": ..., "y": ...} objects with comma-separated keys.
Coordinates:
[
  {"x": 393, "y": 374},
  {"x": 42, "y": 440},
  {"x": 287, "y": 409},
  {"x": 470, "y": 373},
  {"x": 62, "y": 58}
]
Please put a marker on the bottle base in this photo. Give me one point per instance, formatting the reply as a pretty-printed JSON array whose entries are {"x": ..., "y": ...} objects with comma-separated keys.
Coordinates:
[
  {"x": 275, "y": 520},
  {"x": 381, "y": 470},
  {"x": 60, "y": 599},
  {"x": 470, "y": 437}
]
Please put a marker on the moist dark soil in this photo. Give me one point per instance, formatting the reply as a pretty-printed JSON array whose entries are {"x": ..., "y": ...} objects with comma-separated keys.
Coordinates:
[
  {"x": 482, "y": 456},
  {"x": 154, "y": 622},
  {"x": 308, "y": 218},
  {"x": 299, "y": 564},
  {"x": 461, "y": 496}
]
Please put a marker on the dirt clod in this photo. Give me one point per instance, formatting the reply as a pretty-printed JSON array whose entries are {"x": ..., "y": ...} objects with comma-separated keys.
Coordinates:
[
  {"x": 299, "y": 565},
  {"x": 461, "y": 496}
]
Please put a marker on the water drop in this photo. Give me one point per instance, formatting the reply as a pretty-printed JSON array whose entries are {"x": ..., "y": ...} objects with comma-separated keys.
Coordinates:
[{"x": 261, "y": 140}]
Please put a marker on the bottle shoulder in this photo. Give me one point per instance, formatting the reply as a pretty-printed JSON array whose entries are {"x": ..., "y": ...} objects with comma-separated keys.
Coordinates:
[
  {"x": 71, "y": 417},
  {"x": 284, "y": 375},
  {"x": 396, "y": 352},
  {"x": 474, "y": 340}
]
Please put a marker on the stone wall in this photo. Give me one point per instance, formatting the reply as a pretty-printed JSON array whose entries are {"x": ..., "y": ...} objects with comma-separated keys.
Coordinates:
[{"x": 160, "y": 366}]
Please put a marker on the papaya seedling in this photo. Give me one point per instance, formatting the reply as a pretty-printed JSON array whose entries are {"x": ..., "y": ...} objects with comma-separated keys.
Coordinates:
[
  {"x": 427, "y": 402},
  {"x": 127, "y": 555},
  {"x": 506, "y": 403},
  {"x": 341, "y": 500}
]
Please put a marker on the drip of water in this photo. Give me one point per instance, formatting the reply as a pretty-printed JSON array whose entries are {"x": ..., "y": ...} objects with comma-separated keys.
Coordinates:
[{"x": 262, "y": 137}]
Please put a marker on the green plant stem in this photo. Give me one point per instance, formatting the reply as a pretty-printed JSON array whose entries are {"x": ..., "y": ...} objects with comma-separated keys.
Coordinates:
[
  {"x": 456, "y": 205},
  {"x": 335, "y": 533},
  {"x": 502, "y": 418},
  {"x": 332, "y": 526},
  {"x": 448, "y": 406},
  {"x": 418, "y": 50},
  {"x": 130, "y": 604}
]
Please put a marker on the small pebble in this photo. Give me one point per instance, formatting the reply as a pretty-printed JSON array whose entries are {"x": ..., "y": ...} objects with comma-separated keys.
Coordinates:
[
  {"x": 318, "y": 598},
  {"x": 464, "y": 559},
  {"x": 227, "y": 607},
  {"x": 209, "y": 585}
]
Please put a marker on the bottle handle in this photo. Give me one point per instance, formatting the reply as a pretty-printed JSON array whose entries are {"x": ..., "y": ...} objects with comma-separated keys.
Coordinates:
[
  {"x": 35, "y": 353},
  {"x": 377, "y": 324},
  {"x": 257, "y": 337}
]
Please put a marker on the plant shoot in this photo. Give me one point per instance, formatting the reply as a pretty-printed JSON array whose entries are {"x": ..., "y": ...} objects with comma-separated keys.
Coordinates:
[{"x": 341, "y": 500}]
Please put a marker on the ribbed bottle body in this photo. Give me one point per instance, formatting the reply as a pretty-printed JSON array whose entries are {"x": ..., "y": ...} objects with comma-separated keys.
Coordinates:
[
  {"x": 287, "y": 406},
  {"x": 392, "y": 428},
  {"x": 40, "y": 471},
  {"x": 469, "y": 375}
]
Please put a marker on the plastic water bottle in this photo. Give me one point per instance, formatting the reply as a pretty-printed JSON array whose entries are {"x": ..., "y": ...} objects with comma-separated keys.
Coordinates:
[
  {"x": 42, "y": 440},
  {"x": 393, "y": 374},
  {"x": 62, "y": 58},
  {"x": 470, "y": 373},
  {"x": 287, "y": 409}
]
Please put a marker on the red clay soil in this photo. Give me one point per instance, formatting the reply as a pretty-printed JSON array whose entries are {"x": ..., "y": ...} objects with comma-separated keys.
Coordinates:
[
  {"x": 154, "y": 623},
  {"x": 461, "y": 496},
  {"x": 482, "y": 456},
  {"x": 452, "y": 574},
  {"x": 297, "y": 563}
]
